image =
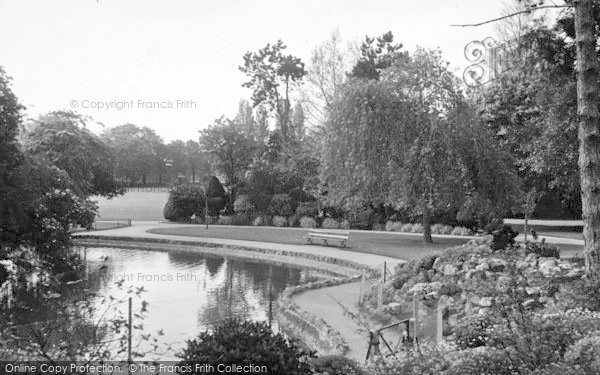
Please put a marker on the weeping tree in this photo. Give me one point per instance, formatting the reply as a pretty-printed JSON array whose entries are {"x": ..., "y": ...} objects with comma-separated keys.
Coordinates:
[{"x": 409, "y": 140}]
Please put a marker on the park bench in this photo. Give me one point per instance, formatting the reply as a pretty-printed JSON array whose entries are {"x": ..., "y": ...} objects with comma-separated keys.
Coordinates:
[{"x": 327, "y": 235}]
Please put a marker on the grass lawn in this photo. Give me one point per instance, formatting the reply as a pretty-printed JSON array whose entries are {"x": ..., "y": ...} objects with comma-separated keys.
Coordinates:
[
  {"x": 142, "y": 204},
  {"x": 392, "y": 245}
]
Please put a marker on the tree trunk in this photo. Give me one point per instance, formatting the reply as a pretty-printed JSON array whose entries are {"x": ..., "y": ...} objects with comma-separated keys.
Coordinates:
[
  {"x": 427, "y": 224},
  {"x": 589, "y": 132}
]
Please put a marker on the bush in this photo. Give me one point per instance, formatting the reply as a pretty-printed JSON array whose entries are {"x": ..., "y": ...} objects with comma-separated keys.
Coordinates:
[
  {"x": 479, "y": 361},
  {"x": 407, "y": 228},
  {"x": 244, "y": 343},
  {"x": 364, "y": 218},
  {"x": 417, "y": 228},
  {"x": 293, "y": 221},
  {"x": 240, "y": 219},
  {"x": 393, "y": 226},
  {"x": 542, "y": 249},
  {"x": 216, "y": 196},
  {"x": 345, "y": 224},
  {"x": 441, "y": 229},
  {"x": 225, "y": 220},
  {"x": 281, "y": 205},
  {"x": 243, "y": 204},
  {"x": 584, "y": 353},
  {"x": 335, "y": 365},
  {"x": 308, "y": 222},
  {"x": 184, "y": 201},
  {"x": 259, "y": 221},
  {"x": 280, "y": 221},
  {"x": 503, "y": 238},
  {"x": 329, "y": 223},
  {"x": 461, "y": 231},
  {"x": 310, "y": 209},
  {"x": 472, "y": 331}
]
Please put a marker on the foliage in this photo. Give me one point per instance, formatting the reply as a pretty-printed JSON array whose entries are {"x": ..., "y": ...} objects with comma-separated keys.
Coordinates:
[
  {"x": 184, "y": 201},
  {"x": 376, "y": 54},
  {"x": 461, "y": 231},
  {"x": 584, "y": 353},
  {"x": 411, "y": 140},
  {"x": 330, "y": 223},
  {"x": 583, "y": 293},
  {"x": 310, "y": 209},
  {"x": 281, "y": 204},
  {"x": 335, "y": 365},
  {"x": 240, "y": 219},
  {"x": 344, "y": 224},
  {"x": 472, "y": 331},
  {"x": 393, "y": 226},
  {"x": 62, "y": 139},
  {"x": 87, "y": 329},
  {"x": 280, "y": 221},
  {"x": 216, "y": 196},
  {"x": 225, "y": 220},
  {"x": 258, "y": 221},
  {"x": 139, "y": 151},
  {"x": 307, "y": 222},
  {"x": 542, "y": 249},
  {"x": 234, "y": 341},
  {"x": 272, "y": 74},
  {"x": 442, "y": 229},
  {"x": 243, "y": 204},
  {"x": 503, "y": 237}
]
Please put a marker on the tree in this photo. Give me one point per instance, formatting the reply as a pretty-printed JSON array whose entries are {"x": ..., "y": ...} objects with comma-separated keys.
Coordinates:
[
  {"x": 139, "y": 151},
  {"x": 62, "y": 139},
  {"x": 376, "y": 54},
  {"x": 231, "y": 150},
  {"x": 411, "y": 141},
  {"x": 272, "y": 74},
  {"x": 13, "y": 207},
  {"x": 196, "y": 160},
  {"x": 585, "y": 15},
  {"x": 325, "y": 75}
]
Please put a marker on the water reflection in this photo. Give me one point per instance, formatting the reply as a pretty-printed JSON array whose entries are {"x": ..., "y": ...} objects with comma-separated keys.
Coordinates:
[{"x": 188, "y": 292}]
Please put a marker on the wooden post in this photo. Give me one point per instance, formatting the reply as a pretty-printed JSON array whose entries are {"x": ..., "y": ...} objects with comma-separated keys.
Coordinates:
[
  {"x": 384, "y": 272},
  {"x": 380, "y": 297},
  {"x": 416, "y": 320},
  {"x": 438, "y": 322},
  {"x": 361, "y": 292}
]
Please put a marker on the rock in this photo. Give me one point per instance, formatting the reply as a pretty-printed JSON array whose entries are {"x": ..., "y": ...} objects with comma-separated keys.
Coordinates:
[
  {"x": 437, "y": 263},
  {"x": 450, "y": 270},
  {"x": 548, "y": 267},
  {"x": 533, "y": 290},
  {"x": 497, "y": 265},
  {"x": 575, "y": 273},
  {"x": 482, "y": 267},
  {"x": 522, "y": 264},
  {"x": 532, "y": 259},
  {"x": 504, "y": 283}
]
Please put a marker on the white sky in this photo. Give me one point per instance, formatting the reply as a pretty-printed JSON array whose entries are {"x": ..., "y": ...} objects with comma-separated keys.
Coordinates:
[{"x": 147, "y": 50}]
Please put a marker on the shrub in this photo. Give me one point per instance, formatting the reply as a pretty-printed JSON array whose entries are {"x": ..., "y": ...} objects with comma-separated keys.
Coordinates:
[
  {"x": 461, "y": 231},
  {"x": 225, "y": 220},
  {"x": 441, "y": 229},
  {"x": 542, "y": 249},
  {"x": 308, "y": 222},
  {"x": 335, "y": 365},
  {"x": 216, "y": 196},
  {"x": 378, "y": 226},
  {"x": 240, "y": 219},
  {"x": 479, "y": 361},
  {"x": 247, "y": 342},
  {"x": 417, "y": 228},
  {"x": 330, "y": 223},
  {"x": 345, "y": 224},
  {"x": 310, "y": 209},
  {"x": 281, "y": 205},
  {"x": 472, "y": 331},
  {"x": 280, "y": 221},
  {"x": 293, "y": 221},
  {"x": 185, "y": 200},
  {"x": 503, "y": 238},
  {"x": 364, "y": 218},
  {"x": 584, "y": 353},
  {"x": 393, "y": 226},
  {"x": 407, "y": 228},
  {"x": 243, "y": 204},
  {"x": 258, "y": 221}
]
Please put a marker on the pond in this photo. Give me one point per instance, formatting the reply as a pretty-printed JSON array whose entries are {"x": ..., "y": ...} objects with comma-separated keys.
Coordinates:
[{"x": 186, "y": 292}]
